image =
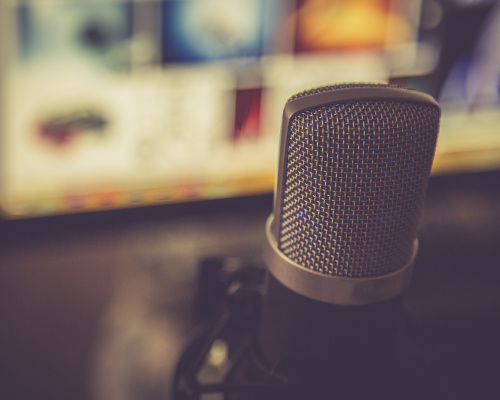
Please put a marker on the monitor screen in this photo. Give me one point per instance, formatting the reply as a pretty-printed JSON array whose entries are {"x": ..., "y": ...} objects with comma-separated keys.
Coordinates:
[{"x": 119, "y": 104}]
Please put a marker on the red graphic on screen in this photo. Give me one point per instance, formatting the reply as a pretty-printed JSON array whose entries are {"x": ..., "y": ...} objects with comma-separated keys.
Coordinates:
[{"x": 247, "y": 118}]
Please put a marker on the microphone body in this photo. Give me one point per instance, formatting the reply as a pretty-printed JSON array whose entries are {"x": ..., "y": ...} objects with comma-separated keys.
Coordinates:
[{"x": 354, "y": 164}]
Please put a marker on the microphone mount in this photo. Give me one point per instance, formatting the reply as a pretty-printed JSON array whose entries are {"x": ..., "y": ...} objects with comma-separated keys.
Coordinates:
[{"x": 224, "y": 357}]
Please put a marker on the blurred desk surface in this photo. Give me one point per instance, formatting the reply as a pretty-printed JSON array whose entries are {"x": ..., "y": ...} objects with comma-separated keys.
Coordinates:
[{"x": 100, "y": 306}]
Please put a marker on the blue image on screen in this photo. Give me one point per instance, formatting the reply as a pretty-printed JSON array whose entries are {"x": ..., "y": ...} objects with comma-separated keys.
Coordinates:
[{"x": 212, "y": 30}]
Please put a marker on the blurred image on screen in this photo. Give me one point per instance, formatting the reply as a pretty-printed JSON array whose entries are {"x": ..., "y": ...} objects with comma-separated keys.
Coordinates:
[{"x": 118, "y": 104}]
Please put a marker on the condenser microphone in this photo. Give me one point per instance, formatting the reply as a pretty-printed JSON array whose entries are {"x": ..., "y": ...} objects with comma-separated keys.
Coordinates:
[
  {"x": 327, "y": 322},
  {"x": 354, "y": 164}
]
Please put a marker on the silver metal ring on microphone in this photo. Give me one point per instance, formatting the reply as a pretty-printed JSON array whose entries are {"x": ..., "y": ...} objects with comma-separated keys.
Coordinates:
[{"x": 332, "y": 289}]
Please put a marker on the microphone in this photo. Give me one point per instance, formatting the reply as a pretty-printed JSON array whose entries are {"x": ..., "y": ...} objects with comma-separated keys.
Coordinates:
[{"x": 354, "y": 164}]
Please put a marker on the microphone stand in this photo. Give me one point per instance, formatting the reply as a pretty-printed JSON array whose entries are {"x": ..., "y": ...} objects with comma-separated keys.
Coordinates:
[{"x": 261, "y": 358}]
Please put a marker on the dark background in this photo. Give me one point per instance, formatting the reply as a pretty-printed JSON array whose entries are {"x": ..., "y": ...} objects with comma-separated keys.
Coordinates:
[{"x": 62, "y": 280}]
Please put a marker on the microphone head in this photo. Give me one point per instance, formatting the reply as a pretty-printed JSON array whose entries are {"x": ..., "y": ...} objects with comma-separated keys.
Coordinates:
[{"x": 355, "y": 160}]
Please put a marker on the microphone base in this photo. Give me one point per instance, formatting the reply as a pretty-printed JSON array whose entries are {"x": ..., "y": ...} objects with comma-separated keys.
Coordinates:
[
  {"x": 395, "y": 368},
  {"x": 321, "y": 350},
  {"x": 409, "y": 377}
]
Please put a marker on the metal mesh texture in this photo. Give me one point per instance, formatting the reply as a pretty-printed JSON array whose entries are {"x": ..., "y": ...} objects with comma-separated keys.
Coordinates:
[
  {"x": 330, "y": 88},
  {"x": 354, "y": 186}
]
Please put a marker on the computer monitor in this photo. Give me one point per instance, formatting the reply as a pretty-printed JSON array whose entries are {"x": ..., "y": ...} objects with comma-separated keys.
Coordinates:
[{"x": 120, "y": 104}]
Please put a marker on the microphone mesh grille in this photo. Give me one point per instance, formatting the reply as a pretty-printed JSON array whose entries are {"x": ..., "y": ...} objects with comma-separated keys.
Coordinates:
[
  {"x": 355, "y": 179},
  {"x": 351, "y": 85}
]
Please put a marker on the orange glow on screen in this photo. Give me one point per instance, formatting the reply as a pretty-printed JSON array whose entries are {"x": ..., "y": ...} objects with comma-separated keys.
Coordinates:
[{"x": 342, "y": 24}]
